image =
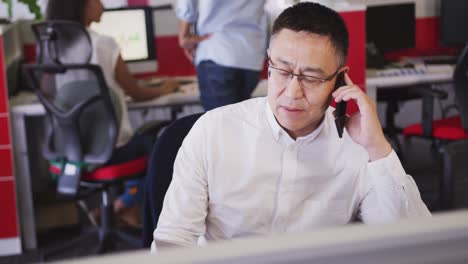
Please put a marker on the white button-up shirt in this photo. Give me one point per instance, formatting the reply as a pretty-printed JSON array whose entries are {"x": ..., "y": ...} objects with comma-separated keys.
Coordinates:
[{"x": 238, "y": 173}]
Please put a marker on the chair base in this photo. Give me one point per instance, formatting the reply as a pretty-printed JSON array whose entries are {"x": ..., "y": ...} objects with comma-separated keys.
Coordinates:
[
  {"x": 103, "y": 243},
  {"x": 446, "y": 152},
  {"x": 102, "y": 239}
]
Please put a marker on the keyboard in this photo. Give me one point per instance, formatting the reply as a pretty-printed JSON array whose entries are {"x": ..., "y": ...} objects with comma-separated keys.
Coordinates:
[
  {"x": 156, "y": 81},
  {"x": 400, "y": 72},
  {"x": 152, "y": 82}
]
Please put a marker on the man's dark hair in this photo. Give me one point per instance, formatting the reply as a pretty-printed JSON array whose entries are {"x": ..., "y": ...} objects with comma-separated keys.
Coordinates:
[
  {"x": 70, "y": 10},
  {"x": 317, "y": 19}
]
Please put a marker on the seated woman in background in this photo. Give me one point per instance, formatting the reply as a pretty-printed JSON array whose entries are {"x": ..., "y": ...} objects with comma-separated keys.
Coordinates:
[{"x": 106, "y": 54}]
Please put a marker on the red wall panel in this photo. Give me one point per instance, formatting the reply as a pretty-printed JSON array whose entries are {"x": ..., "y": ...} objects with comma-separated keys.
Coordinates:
[
  {"x": 4, "y": 131},
  {"x": 3, "y": 98},
  {"x": 6, "y": 162},
  {"x": 8, "y": 221},
  {"x": 356, "y": 23},
  {"x": 3, "y": 88},
  {"x": 171, "y": 58}
]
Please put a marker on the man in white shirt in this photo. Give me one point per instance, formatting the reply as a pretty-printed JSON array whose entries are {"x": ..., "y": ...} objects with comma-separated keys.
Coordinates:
[{"x": 276, "y": 164}]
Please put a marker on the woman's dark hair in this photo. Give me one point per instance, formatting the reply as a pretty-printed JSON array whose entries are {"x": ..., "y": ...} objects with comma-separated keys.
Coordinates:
[
  {"x": 317, "y": 19},
  {"x": 70, "y": 10}
]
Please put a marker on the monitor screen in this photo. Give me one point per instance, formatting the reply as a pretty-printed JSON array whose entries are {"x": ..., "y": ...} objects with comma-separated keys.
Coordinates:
[
  {"x": 132, "y": 28},
  {"x": 454, "y": 22},
  {"x": 391, "y": 27}
]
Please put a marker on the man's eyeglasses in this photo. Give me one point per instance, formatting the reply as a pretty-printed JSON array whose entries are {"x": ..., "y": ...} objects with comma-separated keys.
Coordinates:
[{"x": 283, "y": 77}]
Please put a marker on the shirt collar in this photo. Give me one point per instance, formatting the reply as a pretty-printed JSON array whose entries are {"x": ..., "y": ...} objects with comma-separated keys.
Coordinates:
[
  {"x": 278, "y": 131},
  {"x": 314, "y": 134}
]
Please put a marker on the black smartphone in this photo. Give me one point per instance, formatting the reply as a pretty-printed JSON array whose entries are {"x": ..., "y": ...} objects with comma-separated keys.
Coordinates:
[{"x": 340, "y": 110}]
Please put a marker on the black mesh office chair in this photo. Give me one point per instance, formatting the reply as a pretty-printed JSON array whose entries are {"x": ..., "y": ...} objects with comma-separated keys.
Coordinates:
[
  {"x": 396, "y": 95},
  {"x": 160, "y": 170},
  {"x": 82, "y": 125},
  {"x": 449, "y": 135}
]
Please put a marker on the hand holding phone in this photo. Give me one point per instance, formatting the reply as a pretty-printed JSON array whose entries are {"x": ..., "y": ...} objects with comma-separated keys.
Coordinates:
[{"x": 340, "y": 110}]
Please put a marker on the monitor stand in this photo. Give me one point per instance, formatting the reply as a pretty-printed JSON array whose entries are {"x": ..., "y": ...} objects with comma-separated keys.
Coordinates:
[{"x": 374, "y": 58}]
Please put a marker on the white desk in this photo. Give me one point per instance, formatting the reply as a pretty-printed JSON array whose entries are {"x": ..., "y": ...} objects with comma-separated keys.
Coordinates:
[
  {"x": 433, "y": 74},
  {"x": 29, "y": 105},
  {"x": 189, "y": 96},
  {"x": 28, "y": 108}
]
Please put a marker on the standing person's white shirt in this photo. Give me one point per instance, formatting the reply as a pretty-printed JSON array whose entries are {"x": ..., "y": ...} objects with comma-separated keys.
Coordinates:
[
  {"x": 238, "y": 173},
  {"x": 106, "y": 51}
]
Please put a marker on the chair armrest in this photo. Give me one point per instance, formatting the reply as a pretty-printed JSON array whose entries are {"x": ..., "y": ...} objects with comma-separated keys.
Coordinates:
[
  {"x": 428, "y": 94},
  {"x": 427, "y": 114},
  {"x": 152, "y": 127}
]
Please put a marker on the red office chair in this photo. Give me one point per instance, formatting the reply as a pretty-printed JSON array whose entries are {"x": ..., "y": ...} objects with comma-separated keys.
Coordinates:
[
  {"x": 81, "y": 127},
  {"x": 449, "y": 135}
]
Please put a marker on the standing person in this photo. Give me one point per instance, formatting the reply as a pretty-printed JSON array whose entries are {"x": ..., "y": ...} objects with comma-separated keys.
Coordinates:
[
  {"x": 106, "y": 54},
  {"x": 227, "y": 46},
  {"x": 277, "y": 164}
]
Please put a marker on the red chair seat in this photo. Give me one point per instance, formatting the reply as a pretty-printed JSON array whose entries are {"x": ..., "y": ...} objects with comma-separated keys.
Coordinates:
[
  {"x": 447, "y": 129},
  {"x": 112, "y": 172}
]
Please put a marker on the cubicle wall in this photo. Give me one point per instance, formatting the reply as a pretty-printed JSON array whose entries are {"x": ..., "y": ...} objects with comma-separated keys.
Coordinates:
[
  {"x": 9, "y": 233},
  {"x": 173, "y": 62},
  {"x": 171, "y": 59}
]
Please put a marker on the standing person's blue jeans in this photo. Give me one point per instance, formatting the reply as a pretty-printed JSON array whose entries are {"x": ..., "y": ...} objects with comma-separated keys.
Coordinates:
[{"x": 221, "y": 85}]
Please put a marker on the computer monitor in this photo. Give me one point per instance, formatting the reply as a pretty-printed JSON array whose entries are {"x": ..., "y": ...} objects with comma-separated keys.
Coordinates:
[
  {"x": 453, "y": 22},
  {"x": 132, "y": 28},
  {"x": 391, "y": 27},
  {"x": 442, "y": 238}
]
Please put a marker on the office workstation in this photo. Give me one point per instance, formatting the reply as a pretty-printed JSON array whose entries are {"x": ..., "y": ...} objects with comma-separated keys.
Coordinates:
[{"x": 398, "y": 63}]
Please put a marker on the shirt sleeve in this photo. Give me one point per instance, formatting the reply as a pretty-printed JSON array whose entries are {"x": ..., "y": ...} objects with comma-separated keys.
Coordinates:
[
  {"x": 388, "y": 192},
  {"x": 187, "y": 10},
  {"x": 185, "y": 207}
]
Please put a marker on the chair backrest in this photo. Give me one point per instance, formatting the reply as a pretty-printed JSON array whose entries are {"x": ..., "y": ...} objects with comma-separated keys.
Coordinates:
[
  {"x": 460, "y": 78},
  {"x": 81, "y": 124},
  {"x": 159, "y": 174}
]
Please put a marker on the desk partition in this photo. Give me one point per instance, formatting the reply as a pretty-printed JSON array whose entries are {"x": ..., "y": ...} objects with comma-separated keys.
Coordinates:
[{"x": 9, "y": 234}]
